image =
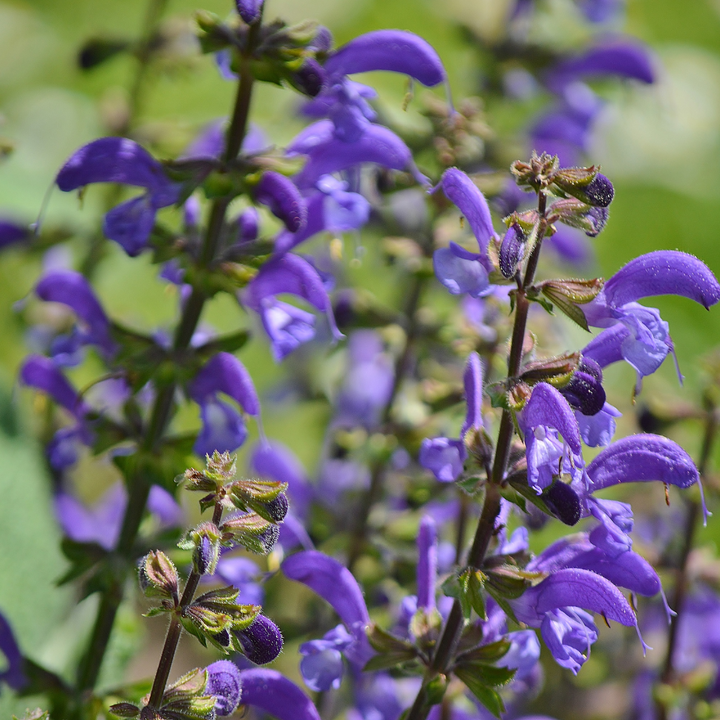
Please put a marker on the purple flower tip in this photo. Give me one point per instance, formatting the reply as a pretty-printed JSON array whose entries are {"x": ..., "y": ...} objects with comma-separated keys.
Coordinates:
[
  {"x": 225, "y": 684},
  {"x": 262, "y": 642},
  {"x": 600, "y": 191},
  {"x": 249, "y": 10},
  {"x": 283, "y": 198}
]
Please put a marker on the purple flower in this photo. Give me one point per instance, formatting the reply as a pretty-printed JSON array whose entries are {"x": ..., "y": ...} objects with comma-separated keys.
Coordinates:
[
  {"x": 241, "y": 572},
  {"x": 119, "y": 160},
  {"x": 461, "y": 271},
  {"x": 223, "y": 427},
  {"x": 322, "y": 663},
  {"x": 585, "y": 392},
  {"x": 42, "y": 373},
  {"x": 72, "y": 289},
  {"x": 225, "y": 683},
  {"x": 336, "y": 585},
  {"x": 283, "y": 198},
  {"x": 261, "y": 642},
  {"x": 287, "y": 326},
  {"x": 555, "y": 605},
  {"x": 444, "y": 456},
  {"x": 276, "y": 695},
  {"x": 547, "y": 417},
  {"x": 427, "y": 563},
  {"x": 330, "y": 208},
  {"x": 368, "y": 381},
  {"x": 249, "y": 10},
  {"x": 620, "y": 58},
  {"x": 13, "y": 675},
  {"x": 392, "y": 50}
]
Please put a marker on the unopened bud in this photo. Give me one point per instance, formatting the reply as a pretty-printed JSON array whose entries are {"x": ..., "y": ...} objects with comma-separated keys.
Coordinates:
[
  {"x": 511, "y": 250},
  {"x": 262, "y": 641},
  {"x": 585, "y": 392}
]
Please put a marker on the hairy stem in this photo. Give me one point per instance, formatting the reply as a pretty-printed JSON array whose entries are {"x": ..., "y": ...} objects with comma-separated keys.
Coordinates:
[
  {"x": 137, "y": 480},
  {"x": 175, "y": 631},
  {"x": 491, "y": 505}
]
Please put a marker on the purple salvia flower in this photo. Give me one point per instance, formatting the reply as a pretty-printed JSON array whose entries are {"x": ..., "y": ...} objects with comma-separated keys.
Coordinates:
[
  {"x": 444, "y": 456},
  {"x": 276, "y": 695},
  {"x": 642, "y": 458},
  {"x": 283, "y": 198},
  {"x": 242, "y": 573},
  {"x": 226, "y": 374},
  {"x": 332, "y": 208},
  {"x": 392, "y": 50},
  {"x": 42, "y": 373},
  {"x": 119, "y": 160},
  {"x": 262, "y": 641},
  {"x": 12, "y": 232},
  {"x": 334, "y": 583},
  {"x": 224, "y": 682},
  {"x": 72, "y": 289},
  {"x": 554, "y": 606},
  {"x": 375, "y": 144},
  {"x": 620, "y": 58},
  {"x": 461, "y": 271},
  {"x": 13, "y": 675},
  {"x": 546, "y": 414},
  {"x": 427, "y": 563},
  {"x": 322, "y": 663},
  {"x": 249, "y": 10},
  {"x": 368, "y": 381},
  {"x": 598, "y": 430},
  {"x": 223, "y": 428},
  {"x": 287, "y": 326},
  {"x": 463, "y": 193}
]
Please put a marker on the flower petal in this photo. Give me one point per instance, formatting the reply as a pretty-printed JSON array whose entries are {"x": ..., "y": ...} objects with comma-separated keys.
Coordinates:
[
  {"x": 226, "y": 374},
  {"x": 640, "y": 458},
  {"x": 276, "y": 695},
  {"x": 42, "y": 373},
  {"x": 547, "y": 407},
  {"x": 283, "y": 198},
  {"x": 391, "y": 50}
]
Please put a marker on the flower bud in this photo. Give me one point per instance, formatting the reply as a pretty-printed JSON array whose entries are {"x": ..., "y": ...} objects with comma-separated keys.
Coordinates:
[
  {"x": 585, "y": 184},
  {"x": 511, "y": 250},
  {"x": 224, "y": 682},
  {"x": 277, "y": 508},
  {"x": 158, "y": 576},
  {"x": 311, "y": 78},
  {"x": 249, "y": 10},
  {"x": 585, "y": 392},
  {"x": 206, "y": 556},
  {"x": 563, "y": 502},
  {"x": 262, "y": 641}
]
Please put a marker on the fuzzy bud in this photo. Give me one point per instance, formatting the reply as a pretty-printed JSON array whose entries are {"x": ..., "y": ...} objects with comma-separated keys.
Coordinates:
[
  {"x": 262, "y": 641},
  {"x": 224, "y": 682},
  {"x": 511, "y": 250}
]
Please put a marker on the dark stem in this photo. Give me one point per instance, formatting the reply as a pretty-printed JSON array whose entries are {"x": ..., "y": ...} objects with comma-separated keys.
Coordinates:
[
  {"x": 402, "y": 364},
  {"x": 681, "y": 583},
  {"x": 137, "y": 480},
  {"x": 491, "y": 506},
  {"x": 175, "y": 630}
]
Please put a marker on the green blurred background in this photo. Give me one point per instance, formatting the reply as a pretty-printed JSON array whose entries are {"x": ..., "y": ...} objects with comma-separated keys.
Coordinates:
[{"x": 660, "y": 145}]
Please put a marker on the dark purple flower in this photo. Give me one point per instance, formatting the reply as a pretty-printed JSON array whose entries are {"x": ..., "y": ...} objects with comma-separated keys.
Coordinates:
[
  {"x": 72, "y": 289},
  {"x": 311, "y": 78},
  {"x": 283, "y": 198},
  {"x": 392, "y": 50},
  {"x": 276, "y": 695},
  {"x": 585, "y": 392},
  {"x": 224, "y": 682},
  {"x": 511, "y": 250},
  {"x": 119, "y": 160},
  {"x": 262, "y": 642}
]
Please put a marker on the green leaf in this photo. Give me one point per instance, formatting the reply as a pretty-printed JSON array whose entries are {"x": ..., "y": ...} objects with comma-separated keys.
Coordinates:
[
  {"x": 485, "y": 653},
  {"x": 385, "y": 661},
  {"x": 384, "y": 642},
  {"x": 486, "y": 695},
  {"x": 566, "y": 306}
]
